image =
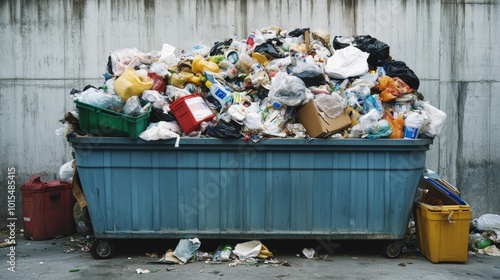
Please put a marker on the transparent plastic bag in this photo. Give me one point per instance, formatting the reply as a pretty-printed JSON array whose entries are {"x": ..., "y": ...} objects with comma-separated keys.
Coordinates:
[
  {"x": 100, "y": 99},
  {"x": 310, "y": 73},
  {"x": 132, "y": 107},
  {"x": 372, "y": 102},
  {"x": 331, "y": 104},
  {"x": 286, "y": 89}
]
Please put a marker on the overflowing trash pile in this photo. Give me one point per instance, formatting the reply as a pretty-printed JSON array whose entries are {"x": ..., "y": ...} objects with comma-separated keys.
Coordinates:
[
  {"x": 274, "y": 83},
  {"x": 484, "y": 236}
]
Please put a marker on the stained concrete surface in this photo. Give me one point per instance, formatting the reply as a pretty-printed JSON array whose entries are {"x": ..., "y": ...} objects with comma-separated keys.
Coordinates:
[{"x": 66, "y": 258}]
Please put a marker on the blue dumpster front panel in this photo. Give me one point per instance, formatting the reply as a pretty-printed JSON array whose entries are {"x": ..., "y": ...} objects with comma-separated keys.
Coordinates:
[{"x": 277, "y": 188}]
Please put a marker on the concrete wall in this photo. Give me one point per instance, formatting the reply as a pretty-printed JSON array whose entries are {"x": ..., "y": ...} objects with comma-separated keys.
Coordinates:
[{"x": 49, "y": 47}]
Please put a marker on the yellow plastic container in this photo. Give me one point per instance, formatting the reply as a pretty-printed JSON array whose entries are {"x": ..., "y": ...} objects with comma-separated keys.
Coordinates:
[{"x": 443, "y": 232}]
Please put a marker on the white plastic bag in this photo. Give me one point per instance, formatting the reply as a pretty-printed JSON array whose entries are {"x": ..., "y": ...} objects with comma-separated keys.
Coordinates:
[
  {"x": 253, "y": 121},
  {"x": 160, "y": 131},
  {"x": 167, "y": 55},
  {"x": 66, "y": 171},
  {"x": 436, "y": 120},
  {"x": 414, "y": 120},
  {"x": 488, "y": 222},
  {"x": 347, "y": 62}
]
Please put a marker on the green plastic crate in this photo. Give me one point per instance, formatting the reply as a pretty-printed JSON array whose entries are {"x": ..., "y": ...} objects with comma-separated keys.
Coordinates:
[{"x": 103, "y": 122}]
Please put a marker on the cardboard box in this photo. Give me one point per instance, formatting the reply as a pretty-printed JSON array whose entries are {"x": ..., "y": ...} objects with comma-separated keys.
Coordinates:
[{"x": 320, "y": 125}]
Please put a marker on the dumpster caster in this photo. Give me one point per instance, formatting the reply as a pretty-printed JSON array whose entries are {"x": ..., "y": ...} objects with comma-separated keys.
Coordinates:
[
  {"x": 392, "y": 249},
  {"x": 102, "y": 249}
]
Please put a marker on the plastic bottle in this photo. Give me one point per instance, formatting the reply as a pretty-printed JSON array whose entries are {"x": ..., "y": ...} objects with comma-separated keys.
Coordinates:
[
  {"x": 483, "y": 243},
  {"x": 218, "y": 91},
  {"x": 251, "y": 39},
  {"x": 228, "y": 68}
]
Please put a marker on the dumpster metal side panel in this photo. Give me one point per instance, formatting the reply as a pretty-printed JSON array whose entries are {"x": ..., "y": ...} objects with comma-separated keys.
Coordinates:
[{"x": 277, "y": 188}]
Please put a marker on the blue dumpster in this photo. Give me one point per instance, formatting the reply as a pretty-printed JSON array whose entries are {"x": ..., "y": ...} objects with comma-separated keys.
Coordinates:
[{"x": 276, "y": 188}]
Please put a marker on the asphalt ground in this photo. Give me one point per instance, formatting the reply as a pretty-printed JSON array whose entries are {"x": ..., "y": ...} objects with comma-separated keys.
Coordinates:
[{"x": 68, "y": 257}]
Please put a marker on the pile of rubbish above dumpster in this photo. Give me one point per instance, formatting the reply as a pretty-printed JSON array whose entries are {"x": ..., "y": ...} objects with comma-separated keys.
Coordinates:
[{"x": 274, "y": 83}]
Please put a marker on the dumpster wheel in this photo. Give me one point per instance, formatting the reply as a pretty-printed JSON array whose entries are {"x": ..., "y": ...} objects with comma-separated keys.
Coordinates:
[
  {"x": 102, "y": 249},
  {"x": 392, "y": 249}
]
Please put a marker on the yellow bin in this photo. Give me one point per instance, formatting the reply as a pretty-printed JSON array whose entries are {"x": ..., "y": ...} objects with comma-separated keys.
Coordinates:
[{"x": 443, "y": 232}]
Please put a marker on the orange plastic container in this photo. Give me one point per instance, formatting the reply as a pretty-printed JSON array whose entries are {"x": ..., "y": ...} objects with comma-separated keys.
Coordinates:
[
  {"x": 190, "y": 111},
  {"x": 47, "y": 208}
]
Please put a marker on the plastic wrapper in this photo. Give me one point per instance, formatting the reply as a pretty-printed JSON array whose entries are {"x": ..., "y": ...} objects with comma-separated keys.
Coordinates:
[
  {"x": 273, "y": 125},
  {"x": 391, "y": 88},
  {"x": 397, "y": 124},
  {"x": 158, "y": 82},
  {"x": 288, "y": 90},
  {"x": 126, "y": 58}
]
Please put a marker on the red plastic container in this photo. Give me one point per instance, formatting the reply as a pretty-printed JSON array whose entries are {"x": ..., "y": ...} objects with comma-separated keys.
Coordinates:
[
  {"x": 190, "y": 111},
  {"x": 47, "y": 208}
]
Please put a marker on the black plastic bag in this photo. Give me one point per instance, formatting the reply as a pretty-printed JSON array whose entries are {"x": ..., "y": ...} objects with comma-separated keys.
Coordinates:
[
  {"x": 267, "y": 48},
  {"x": 340, "y": 42},
  {"x": 310, "y": 74},
  {"x": 218, "y": 47},
  {"x": 394, "y": 68},
  {"x": 298, "y": 32},
  {"x": 378, "y": 50},
  {"x": 157, "y": 115},
  {"x": 225, "y": 130}
]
